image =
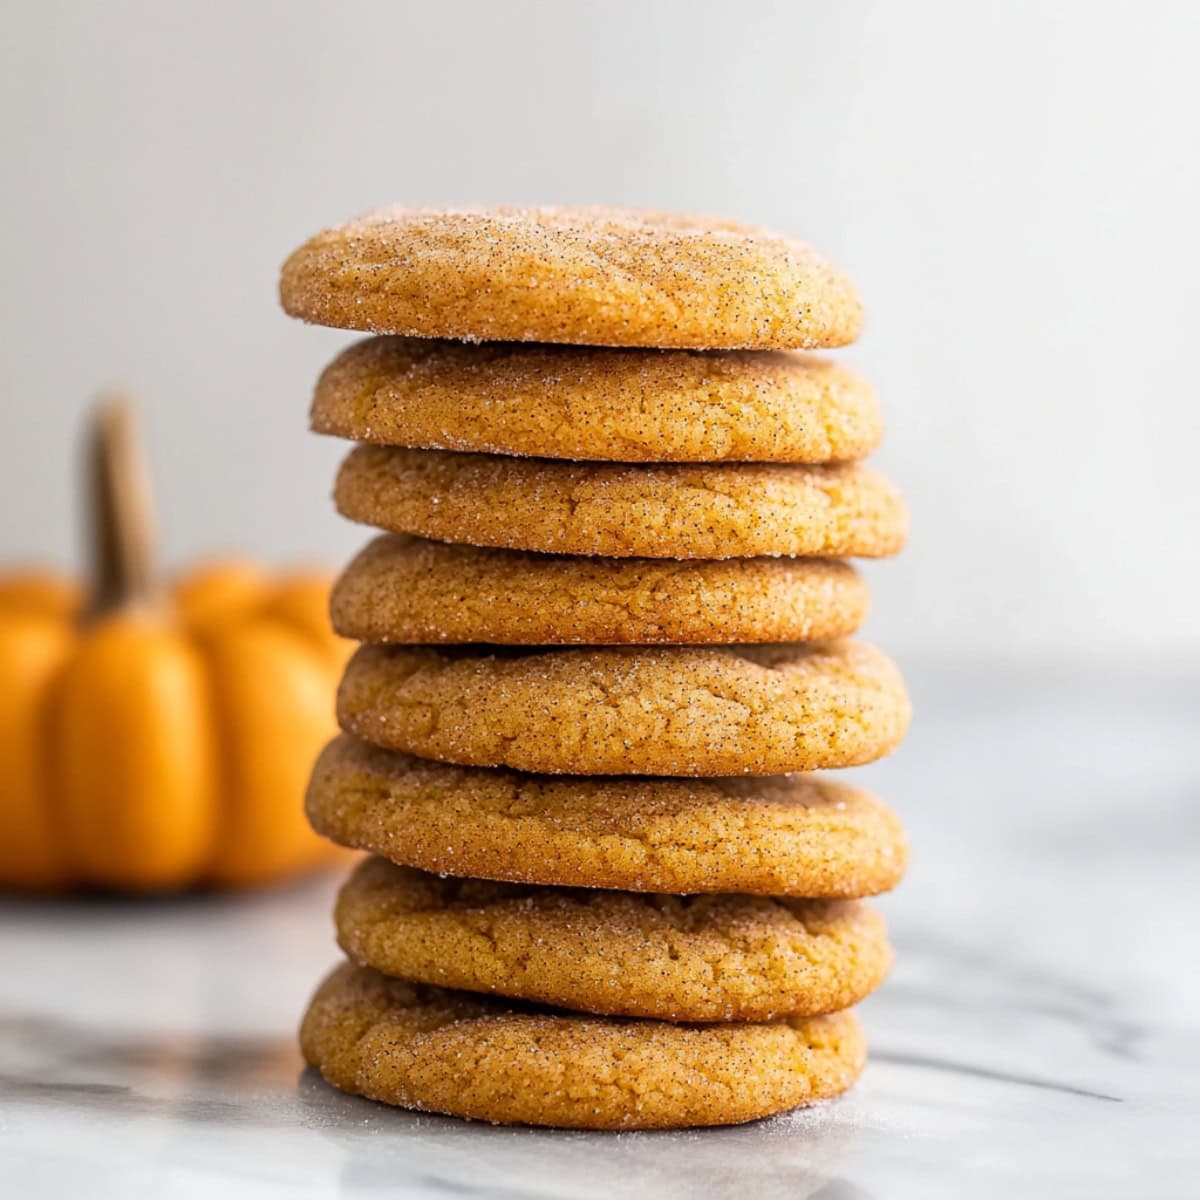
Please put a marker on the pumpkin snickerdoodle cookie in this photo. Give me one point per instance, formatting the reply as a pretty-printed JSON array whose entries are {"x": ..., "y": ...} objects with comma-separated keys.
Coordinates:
[
  {"x": 799, "y": 835},
  {"x": 589, "y": 403},
  {"x": 680, "y": 510},
  {"x": 405, "y": 590},
  {"x": 437, "y": 1050},
  {"x": 676, "y": 958},
  {"x": 605, "y": 643},
  {"x": 589, "y": 276},
  {"x": 615, "y": 710}
]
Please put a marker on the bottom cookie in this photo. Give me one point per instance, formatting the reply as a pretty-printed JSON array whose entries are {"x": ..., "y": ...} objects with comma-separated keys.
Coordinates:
[{"x": 465, "y": 1055}]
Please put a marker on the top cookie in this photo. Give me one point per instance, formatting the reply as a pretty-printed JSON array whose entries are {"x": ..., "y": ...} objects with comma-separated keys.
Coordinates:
[{"x": 588, "y": 276}]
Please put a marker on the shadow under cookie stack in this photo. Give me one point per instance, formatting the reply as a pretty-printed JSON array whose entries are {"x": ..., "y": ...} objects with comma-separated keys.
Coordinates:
[{"x": 605, "y": 642}]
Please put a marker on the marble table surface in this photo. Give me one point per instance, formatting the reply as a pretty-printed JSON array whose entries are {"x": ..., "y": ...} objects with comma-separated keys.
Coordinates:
[{"x": 1039, "y": 1036}]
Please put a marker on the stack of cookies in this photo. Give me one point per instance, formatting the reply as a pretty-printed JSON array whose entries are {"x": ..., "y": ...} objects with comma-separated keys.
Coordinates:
[{"x": 605, "y": 640}]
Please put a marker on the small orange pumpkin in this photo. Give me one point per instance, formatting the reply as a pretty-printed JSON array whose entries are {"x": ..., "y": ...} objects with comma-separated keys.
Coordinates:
[{"x": 155, "y": 739}]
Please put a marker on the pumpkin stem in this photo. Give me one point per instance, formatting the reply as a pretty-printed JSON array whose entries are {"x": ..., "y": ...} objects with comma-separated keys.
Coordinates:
[{"x": 120, "y": 514}]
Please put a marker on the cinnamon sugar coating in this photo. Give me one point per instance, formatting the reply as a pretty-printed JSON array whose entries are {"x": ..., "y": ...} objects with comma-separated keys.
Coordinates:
[
  {"x": 407, "y": 590},
  {"x": 797, "y": 835},
  {"x": 444, "y": 1051},
  {"x": 587, "y": 276},
  {"x": 577, "y": 402},
  {"x": 678, "y": 710},
  {"x": 676, "y": 958},
  {"x": 731, "y": 510}
]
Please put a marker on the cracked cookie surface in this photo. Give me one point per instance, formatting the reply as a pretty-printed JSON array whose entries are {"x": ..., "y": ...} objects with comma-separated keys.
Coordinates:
[
  {"x": 408, "y": 590},
  {"x": 679, "y": 710},
  {"x": 679, "y": 510},
  {"x": 578, "y": 402},
  {"x": 436, "y": 1050},
  {"x": 800, "y": 835},
  {"x": 587, "y": 276},
  {"x": 677, "y": 958}
]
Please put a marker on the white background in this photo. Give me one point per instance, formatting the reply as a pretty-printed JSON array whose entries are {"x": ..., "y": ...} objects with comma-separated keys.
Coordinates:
[{"x": 1016, "y": 187}]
